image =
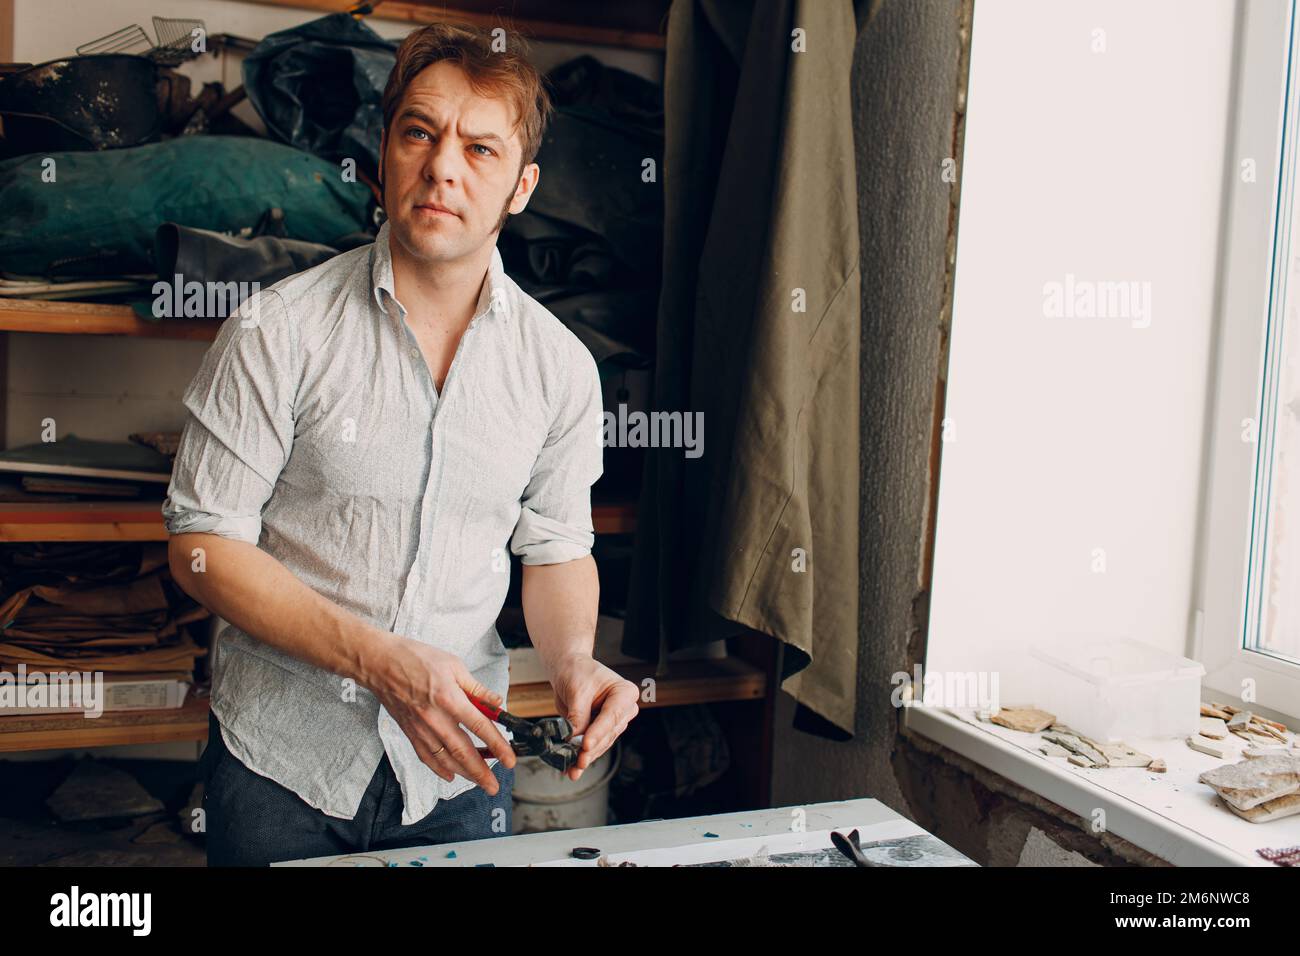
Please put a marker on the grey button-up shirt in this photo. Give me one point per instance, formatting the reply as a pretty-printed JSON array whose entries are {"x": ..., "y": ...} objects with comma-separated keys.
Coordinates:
[{"x": 315, "y": 432}]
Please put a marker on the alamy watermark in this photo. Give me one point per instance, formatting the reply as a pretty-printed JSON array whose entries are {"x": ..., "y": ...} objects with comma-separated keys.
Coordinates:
[
  {"x": 959, "y": 690},
  {"x": 624, "y": 429},
  {"x": 74, "y": 908},
  {"x": 1089, "y": 299},
  {"x": 69, "y": 690},
  {"x": 179, "y": 299}
]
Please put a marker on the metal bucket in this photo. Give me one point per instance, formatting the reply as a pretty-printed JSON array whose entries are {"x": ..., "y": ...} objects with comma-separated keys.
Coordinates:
[{"x": 546, "y": 800}]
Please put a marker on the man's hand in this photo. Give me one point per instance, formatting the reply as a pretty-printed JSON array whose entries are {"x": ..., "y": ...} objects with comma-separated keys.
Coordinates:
[
  {"x": 596, "y": 701},
  {"x": 424, "y": 690}
]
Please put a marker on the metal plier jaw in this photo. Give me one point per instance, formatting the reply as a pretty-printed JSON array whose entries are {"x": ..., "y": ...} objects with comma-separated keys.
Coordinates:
[{"x": 547, "y": 738}]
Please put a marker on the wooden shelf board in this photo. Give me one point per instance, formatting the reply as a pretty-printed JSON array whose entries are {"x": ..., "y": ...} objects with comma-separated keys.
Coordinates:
[
  {"x": 82, "y": 521},
  {"x": 529, "y": 18},
  {"x": 90, "y": 318},
  {"x": 56, "y": 731},
  {"x": 614, "y": 517},
  {"x": 142, "y": 521},
  {"x": 692, "y": 682}
]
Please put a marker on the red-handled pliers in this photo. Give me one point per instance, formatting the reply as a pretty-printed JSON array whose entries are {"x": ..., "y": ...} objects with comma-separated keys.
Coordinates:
[{"x": 547, "y": 738}]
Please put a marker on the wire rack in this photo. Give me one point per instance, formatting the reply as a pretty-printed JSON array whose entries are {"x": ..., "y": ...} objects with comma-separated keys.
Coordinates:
[
  {"x": 130, "y": 39},
  {"x": 175, "y": 41}
]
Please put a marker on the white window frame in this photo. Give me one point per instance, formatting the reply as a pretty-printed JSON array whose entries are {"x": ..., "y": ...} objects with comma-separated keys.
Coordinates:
[{"x": 1261, "y": 237}]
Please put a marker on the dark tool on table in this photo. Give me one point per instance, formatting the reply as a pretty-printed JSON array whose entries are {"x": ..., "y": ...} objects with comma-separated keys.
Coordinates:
[
  {"x": 851, "y": 847},
  {"x": 547, "y": 738}
]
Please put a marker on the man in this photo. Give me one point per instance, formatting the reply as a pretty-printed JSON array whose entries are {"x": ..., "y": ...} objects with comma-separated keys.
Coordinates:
[{"x": 365, "y": 440}]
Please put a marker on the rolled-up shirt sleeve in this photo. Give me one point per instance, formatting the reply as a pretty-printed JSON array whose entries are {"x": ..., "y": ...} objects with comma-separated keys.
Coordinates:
[
  {"x": 555, "y": 516},
  {"x": 239, "y": 430}
]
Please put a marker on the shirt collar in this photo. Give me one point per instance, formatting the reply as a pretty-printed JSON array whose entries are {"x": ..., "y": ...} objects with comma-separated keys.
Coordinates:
[{"x": 493, "y": 299}]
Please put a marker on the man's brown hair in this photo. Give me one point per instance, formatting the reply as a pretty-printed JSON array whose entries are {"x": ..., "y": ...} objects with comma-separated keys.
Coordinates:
[{"x": 506, "y": 75}]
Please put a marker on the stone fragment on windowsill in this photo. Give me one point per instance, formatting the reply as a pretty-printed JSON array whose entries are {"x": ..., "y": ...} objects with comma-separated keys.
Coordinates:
[
  {"x": 1077, "y": 745},
  {"x": 1029, "y": 720},
  {"x": 1256, "y": 750},
  {"x": 1241, "y": 719},
  {"x": 1122, "y": 755},
  {"x": 1207, "y": 746},
  {"x": 1275, "y": 809},
  {"x": 1255, "y": 735},
  {"x": 1063, "y": 729},
  {"x": 1280, "y": 728},
  {"x": 1096, "y": 753},
  {"x": 1214, "y": 728},
  {"x": 1267, "y": 727},
  {"x": 1254, "y": 781}
]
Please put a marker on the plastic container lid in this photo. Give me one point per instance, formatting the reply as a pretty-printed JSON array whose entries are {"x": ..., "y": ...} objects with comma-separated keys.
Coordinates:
[{"x": 1117, "y": 662}]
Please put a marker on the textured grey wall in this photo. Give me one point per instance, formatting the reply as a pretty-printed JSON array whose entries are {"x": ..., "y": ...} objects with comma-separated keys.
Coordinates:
[{"x": 906, "y": 80}]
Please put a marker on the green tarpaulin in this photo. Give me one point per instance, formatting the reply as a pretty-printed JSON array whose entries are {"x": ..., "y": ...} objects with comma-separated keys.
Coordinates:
[{"x": 98, "y": 214}]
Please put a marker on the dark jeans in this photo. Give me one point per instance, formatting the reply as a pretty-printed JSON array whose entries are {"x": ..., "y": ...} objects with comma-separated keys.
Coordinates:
[{"x": 251, "y": 820}]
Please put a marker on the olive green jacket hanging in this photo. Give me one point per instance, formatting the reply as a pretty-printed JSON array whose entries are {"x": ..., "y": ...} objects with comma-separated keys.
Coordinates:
[{"x": 758, "y": 330}]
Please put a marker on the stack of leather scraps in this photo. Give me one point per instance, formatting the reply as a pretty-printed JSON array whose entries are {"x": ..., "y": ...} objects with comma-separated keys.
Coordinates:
[{"x": 94, "y": 607}]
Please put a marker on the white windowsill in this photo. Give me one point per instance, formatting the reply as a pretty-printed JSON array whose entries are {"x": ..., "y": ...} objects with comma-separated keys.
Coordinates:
[{"x": 1170, "y": 815}]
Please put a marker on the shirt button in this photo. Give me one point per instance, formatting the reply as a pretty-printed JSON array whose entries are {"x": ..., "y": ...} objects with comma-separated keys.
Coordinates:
[{"x": 415, "y": 353}]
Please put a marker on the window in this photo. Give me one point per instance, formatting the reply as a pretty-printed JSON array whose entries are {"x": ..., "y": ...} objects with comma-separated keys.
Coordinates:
[{"x": 1247, "y": 619}]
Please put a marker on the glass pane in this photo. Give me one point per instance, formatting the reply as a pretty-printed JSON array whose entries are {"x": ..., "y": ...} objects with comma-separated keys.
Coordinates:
[
  {"x": 1272, "y": 624},
  {"x": 1278, "y": 492}
]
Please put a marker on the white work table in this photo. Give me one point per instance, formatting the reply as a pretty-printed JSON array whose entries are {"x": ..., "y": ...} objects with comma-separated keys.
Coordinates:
[{"x": 752, "y": 837}]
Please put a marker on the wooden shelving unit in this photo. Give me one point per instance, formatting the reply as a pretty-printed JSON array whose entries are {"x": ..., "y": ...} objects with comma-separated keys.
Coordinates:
[
  {"x": 692, "y": 682},
  {"x": 745, "y": 680},
  {"x": 745, "y": 683}
]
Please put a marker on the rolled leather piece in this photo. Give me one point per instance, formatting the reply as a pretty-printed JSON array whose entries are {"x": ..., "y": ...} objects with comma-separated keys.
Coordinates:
[{"x": 201, "y": 255}]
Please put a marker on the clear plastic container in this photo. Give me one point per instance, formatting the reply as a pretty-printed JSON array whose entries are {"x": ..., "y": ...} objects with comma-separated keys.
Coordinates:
[{"x": 1119, "y": 689}]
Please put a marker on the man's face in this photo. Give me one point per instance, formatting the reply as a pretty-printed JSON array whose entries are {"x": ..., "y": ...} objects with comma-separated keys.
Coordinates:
[{"x": 450, "y": 167}]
